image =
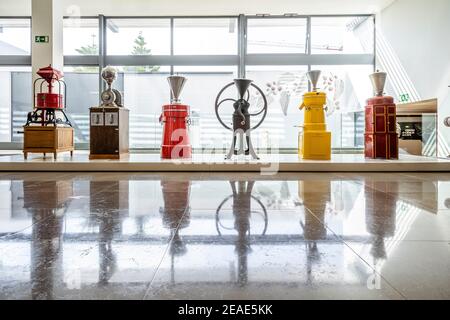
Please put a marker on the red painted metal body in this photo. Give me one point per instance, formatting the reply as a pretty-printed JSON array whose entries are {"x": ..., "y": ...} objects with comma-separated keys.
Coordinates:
[
  {"x": 175, "y": 139},
  {"x": 380, "y": 137},
  {"x": 49, "y": 99}
]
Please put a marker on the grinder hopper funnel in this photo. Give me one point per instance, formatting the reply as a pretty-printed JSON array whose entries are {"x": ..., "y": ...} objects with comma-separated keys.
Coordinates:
[
  {"x": 176, "y": 84},
  {"x": 242, "y": 86},
  {"x": 313, "y": 77},
  {"x": 378, "y": 81}
]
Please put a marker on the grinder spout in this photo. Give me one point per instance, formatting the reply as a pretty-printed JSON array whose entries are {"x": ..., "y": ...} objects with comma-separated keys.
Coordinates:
[{"x": 176, "y": 84}]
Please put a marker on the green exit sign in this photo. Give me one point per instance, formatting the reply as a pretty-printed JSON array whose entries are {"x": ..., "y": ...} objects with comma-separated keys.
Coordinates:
[
  {"x": 404, "y": 97},
  {"x": 41, "y": 39}
]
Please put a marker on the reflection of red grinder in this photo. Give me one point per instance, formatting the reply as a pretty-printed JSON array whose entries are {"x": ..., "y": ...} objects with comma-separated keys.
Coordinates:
[
  {"x": 175, "y": 119},
  {"x": 380, "y": 137}
]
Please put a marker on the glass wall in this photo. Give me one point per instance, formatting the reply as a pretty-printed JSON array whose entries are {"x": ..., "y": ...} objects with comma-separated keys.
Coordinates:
[
  {"x": 15, "y": 36},
  {"x": 342, "y": 35},
  {"x": 274, "y": 51},
  {"x": 283, "y": 87},
  {"x": 276, "y": 35},
  {"x": 347, "y": 88},
  {"x": 200, "y": 92},
  {"x": 144, "y": 92},
  {"x": 80, "y": 36},
  {"x": 213, "y": 36},
  {"x": 83, "y": 80},
  {"x": 137, "y": 36}
]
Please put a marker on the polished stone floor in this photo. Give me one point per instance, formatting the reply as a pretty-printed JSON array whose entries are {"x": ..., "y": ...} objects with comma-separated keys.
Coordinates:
[
  {"x": 224, "y": 236},
  {"x": 13, "y": 160}
]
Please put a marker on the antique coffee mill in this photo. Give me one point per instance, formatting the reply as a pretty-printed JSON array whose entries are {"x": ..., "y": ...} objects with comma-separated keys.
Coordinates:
[
  {"x": 48, "y": 129},
  {"x": 241, "y": 117},
  {"x": 380, "y": 137},
  {"x": 109, "y": 122},
  {"x": 49, "y": 105},
  {"x": 314, "y": 141},
  {"x": 175, "y": 119}
]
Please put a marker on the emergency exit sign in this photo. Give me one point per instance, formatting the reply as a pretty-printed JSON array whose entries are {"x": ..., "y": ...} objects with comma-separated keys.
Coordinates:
[
  {"x": 41, "y": 39},
  {"x": 404, "y": 97}
]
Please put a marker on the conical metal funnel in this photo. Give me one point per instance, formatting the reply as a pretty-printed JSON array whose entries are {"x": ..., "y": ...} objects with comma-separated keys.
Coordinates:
[
  {"x": 176, "y": 84},
  {"x": 242, "y": 86},
  {"x": 313, "y": 77},
  {"x": 378, "y": 81}
]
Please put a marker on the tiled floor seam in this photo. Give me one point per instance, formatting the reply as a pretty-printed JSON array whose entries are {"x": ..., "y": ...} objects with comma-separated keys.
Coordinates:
[
  {"x": 163, "y": 256},
  {"x": 362, "y": 259}
]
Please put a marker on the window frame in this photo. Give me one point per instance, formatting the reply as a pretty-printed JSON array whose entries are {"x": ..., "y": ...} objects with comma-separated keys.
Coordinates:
[{"x": 240, "y": 60}]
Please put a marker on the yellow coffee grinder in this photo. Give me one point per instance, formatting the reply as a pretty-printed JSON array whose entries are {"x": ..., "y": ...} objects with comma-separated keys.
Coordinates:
[{"x": 314, "y": 141}]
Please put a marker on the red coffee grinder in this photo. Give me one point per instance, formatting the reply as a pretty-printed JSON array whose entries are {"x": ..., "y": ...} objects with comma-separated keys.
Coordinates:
[
  {"x": 49, "y": 106},
  {"x": 48, "y": 129},
  {"x": 380, "y": 137},
  {"x": 175, "y": 120}
]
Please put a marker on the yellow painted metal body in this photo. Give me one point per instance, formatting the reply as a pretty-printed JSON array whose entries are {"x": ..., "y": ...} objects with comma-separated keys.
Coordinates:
[{"x": 314, "y": 141}]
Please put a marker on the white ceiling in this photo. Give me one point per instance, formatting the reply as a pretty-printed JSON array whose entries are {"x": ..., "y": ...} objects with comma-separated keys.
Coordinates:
[{"x": 201, "y": 7}]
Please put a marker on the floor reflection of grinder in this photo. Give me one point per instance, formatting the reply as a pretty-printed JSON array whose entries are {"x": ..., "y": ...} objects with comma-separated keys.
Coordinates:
[
  {"x": 241, "y": 117},
  {"x": 175, "y": 215},
  {"x": 175, "y": 118},
  {"x": 314, "y": 142},
  {"x": 315, "y": 206},
  {"x": 242, "y": 211},
  {"x": 46, "y": 246},
  {"x": 108, "y": 203},
  {"x": 381, "y": 210}
]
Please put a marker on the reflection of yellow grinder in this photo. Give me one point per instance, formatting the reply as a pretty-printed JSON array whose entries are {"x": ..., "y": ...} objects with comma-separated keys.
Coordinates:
[{"x": 314, "y": 141}]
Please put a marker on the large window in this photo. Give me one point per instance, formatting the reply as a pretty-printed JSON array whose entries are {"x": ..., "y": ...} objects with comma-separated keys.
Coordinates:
[
  {"x": 347, "y": 88},
  {"x": 276, "y": 35},
  {"x": 138, "y": 36},
  {"x": 205, "y": 36},
  {"x": 15, "y": 101},
  {"x": 283, "y": 87},
  {"x": 80, "y": 36},
  {"x": 15, "y": 37},
  {"x": 81, "y": 80},
  {"x": 342, "y": 35},
  {"x": 144, "y": 92},
  {"x": 274, "y": 51},
  {"x": 201, "y": 89}
]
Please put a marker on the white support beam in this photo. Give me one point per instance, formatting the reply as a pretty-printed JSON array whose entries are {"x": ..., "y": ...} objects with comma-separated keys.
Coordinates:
[{"x": 47, "y": 20}]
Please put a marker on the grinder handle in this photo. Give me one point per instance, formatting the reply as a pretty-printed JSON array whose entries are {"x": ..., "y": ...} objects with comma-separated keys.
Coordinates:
[{"x": 301, "y": 106}]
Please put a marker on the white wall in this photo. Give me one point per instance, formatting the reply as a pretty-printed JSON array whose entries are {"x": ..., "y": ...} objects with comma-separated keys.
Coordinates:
[
  {"x": 418, "y": 33},
  {"x": 201, "y": 7}
]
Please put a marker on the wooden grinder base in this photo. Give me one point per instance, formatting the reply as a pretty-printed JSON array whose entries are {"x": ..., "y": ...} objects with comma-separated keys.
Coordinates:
[{"x": 48, "y": 139}]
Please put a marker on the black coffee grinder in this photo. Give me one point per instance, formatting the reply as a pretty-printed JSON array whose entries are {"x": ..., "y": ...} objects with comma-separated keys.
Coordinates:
[{"x": 241, "y": 116}]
